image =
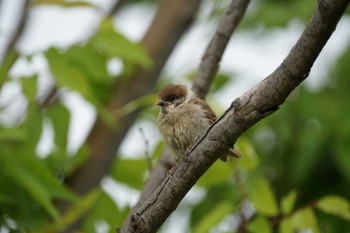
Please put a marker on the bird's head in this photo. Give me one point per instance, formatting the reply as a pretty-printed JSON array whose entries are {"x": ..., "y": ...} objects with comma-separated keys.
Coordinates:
[{"x": 173, "y": 96}]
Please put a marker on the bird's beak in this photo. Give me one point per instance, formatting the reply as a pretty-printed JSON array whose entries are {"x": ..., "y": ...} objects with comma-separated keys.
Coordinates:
[{"x": 161, "y": 102}]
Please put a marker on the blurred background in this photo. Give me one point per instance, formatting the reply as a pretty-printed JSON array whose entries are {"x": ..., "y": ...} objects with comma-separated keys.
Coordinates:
[{"x": 78, "y": 132}]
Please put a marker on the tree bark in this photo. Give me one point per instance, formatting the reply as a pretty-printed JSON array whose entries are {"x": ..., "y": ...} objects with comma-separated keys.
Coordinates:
[{"x": 243, "y": 113}]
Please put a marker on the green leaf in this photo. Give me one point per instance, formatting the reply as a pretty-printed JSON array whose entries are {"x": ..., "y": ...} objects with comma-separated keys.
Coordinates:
[
  {"x": 68, "y": 75},
  {"x": 29, "y": 87},
  {"x": 33, "y": 123},
  {"x": 114, "y": 44},
  {"x": 279, "y": 13},
  {"x": 105, "y": 210},
  {"x": 6, "y": 65},
  {"x": 335, "y": 205},
  {"x": 250, "y": 158},
  {"x": 300, "y": 221},
  {"x": 220, "y": 81},
  {"x": 286, "y": 226},
  {"x": 217, "y": 173},
  {"x": 259, "y": 225},
  {"x": 130, "y": 172},
  {"x": 342, "y": 158},
  {"x": 72, "y": 73},
  {"x": 38, "y": 169},
  {"x": 26, "y": 179},
  {"x": 62, "y": 3},
  {"x": 54, "y": 187},
  {"x": 89, "y": 61},
  {"x": 86, "y": 61},
  {"x": 214, "y": 217},
  {"x": 143, "y": 101},
  {"x": 76, "y": 161},
  {"x": 33, "y": 126},
  {"x": 222, "y": 192},
  {"x": 77, "y": 211},
  {"x": 288, "y": 202},
  {"x": 60, "y": 118},
  {"x": 262, "y": 196},
  {"x": 158, "y": 151},
  {"x": 12, "y": 135}
]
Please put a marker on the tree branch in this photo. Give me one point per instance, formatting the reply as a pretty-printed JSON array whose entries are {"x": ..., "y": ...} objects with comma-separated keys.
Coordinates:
[
  {"x": 244, "y": 112},
  {"x": 7, "y": 58},
  {"x": 116, "y": 7},
  {"x": 217, "y": 46},
  {"x": 22, "y": 19},
  {"x": 212, "y": 56}
]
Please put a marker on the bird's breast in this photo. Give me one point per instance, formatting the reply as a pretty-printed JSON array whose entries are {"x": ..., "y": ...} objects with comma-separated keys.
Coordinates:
[{"x": 182, "y": 129}]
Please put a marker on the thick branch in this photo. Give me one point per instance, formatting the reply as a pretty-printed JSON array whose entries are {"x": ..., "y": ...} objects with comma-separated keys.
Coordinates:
[
  {"x": 244, "y": 112},
  {"x": 201, "y": 84},
  {"x": 213, "y": 54}
]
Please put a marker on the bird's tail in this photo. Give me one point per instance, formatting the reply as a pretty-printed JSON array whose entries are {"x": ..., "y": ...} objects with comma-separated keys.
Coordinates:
[{"x": 231, "y": 152}]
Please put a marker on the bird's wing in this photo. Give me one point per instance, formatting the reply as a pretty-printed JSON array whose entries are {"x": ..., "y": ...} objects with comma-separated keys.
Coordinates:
[{"x": 210, "y": 115}]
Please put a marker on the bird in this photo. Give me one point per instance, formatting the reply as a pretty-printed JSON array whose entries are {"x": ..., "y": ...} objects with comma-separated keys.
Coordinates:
[{"x": 183, "y": 119}]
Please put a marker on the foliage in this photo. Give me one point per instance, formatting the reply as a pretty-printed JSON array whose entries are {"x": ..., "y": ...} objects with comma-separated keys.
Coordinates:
[
  {"x": 291, "y": 179},
  {"x": 31, "y": 185},
  {"x": 308, "y": 157}
]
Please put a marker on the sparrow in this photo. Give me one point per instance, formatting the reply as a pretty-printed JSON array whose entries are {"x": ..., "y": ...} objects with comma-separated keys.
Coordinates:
[{"x": 183, "y": 119}]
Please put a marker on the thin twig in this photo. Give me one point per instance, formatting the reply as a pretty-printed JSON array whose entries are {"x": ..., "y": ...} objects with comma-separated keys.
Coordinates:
[
  {"x": 8, "y": 57},
  {"x": 23, "y": 15},
  {"x": 216, "y": 48},
  {"x": 116, "y": 7},
  {"x": 147, "y": 154},
  {"x": 50, "y": 98}
]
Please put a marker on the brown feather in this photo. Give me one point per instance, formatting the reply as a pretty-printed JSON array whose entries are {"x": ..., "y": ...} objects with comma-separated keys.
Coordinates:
[
  {"x": 209, "y": 114},
  {"x": 173, "y": 91}
]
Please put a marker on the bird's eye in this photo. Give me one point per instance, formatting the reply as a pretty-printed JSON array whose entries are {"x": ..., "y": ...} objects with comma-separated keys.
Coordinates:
[{"x": 172, "y": 98}]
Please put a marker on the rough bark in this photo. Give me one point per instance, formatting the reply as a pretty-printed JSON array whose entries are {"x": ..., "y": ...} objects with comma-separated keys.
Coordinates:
[{"x": 244, "y": 112}]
